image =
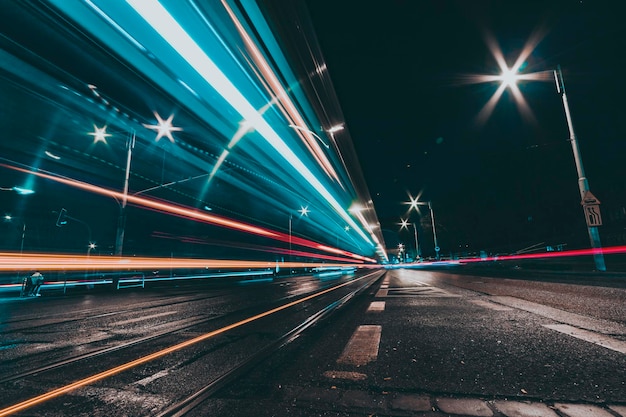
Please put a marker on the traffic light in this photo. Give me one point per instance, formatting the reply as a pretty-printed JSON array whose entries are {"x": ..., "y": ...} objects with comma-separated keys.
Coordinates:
[{"x": 62, "y": 219}]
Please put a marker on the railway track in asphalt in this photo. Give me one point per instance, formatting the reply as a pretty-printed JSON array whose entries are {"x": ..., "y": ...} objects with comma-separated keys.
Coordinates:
[
  {"x": 154, "y": 347},
  {"x": 187, "y": 404},
  {"x": 13, "y": 329}
]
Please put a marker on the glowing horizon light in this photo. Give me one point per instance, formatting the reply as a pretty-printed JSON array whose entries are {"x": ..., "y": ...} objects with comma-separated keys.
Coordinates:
[{"x": 163, "y": 127}]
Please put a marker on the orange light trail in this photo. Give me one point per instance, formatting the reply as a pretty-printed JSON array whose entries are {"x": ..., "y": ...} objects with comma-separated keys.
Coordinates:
[
  {"x": 113, "y": 371},
  {"x": 275, "y": 88},
  {"x": 182, "y": 211},
  {"x": 12, "y": 261}
]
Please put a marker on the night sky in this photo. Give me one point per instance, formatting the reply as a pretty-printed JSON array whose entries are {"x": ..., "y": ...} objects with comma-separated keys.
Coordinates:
[{"x": 401, "y": 69}]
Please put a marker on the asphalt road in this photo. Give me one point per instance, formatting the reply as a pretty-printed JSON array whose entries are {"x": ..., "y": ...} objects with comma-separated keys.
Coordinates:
[{"x": 411, "y": 343}]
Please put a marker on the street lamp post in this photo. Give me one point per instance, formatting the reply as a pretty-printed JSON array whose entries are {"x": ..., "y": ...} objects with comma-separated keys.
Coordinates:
[
  {"x": 400, "y": 251},
  {"x": 304, "y": 211},
  {"x": 508, "y": 79},
  {"x": 413, "y": 205},
  {"x": 404, "y": 224},
  {"x": 583, "y": 184},
  {"x": 121, "y": 221},
  {"x": 432, "y": 218}
]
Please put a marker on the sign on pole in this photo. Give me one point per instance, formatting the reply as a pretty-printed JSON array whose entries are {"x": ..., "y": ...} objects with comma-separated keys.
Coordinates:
[{"x": 591, "y": 206}]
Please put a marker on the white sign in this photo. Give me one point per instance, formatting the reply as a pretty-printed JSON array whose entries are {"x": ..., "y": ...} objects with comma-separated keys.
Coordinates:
[{"x": 592, "y": 215}]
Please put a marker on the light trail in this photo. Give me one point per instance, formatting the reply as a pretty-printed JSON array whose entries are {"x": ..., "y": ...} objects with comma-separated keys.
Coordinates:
[
  {"x": 276, "y": 89},
  {"x": 170, "y": 30},
  {"x": 184, "y": 212},
  {"x": 116, "y": 370},
  {"x": 612, "y": 250},
  {"x": 12, "y": 261},
  {"x": 260, "y": 248}
]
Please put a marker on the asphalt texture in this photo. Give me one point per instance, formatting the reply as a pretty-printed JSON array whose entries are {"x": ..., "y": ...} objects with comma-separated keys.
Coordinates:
[{"x": 449, "y": 344}]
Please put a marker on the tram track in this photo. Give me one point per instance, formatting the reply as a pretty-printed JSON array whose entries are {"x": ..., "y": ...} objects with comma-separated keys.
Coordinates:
[
  {"x": 300, "y": 302},
  {"x": 184, "y": 406},
  {"x": 135, "y": 342}
]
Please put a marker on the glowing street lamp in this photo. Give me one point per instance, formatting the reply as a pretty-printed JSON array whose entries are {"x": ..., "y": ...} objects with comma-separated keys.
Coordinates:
[
  {"x": 400, "y": 251},
  {"x": 304, "y": 211},
  {"x": 335, "y": 128},
  {"x": 19, "y": 190},
  {"x": 404, "y": 224},
  {"x": 100, "y": 135},
  {"x": 508, "y": 80},
  {"x": 164, "y": 128},
  {"x": 413, "y": 203}
]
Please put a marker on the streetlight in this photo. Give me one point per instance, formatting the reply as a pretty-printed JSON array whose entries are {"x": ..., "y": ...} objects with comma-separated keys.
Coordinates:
[
  {"x": 19, "y": 190},
  {"x": 304, "y": 211},
  {"x": 404, "y": 224},
  {"x": 413, "y": 205},
  {"x": 400, "y": 250},
  {"x": 163, "y": 128},
  {"x": 508, "y": 79},
  {"x": 9, "y": 219}
]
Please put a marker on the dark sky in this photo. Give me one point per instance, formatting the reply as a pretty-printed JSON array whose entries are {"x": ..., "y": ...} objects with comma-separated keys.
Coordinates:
[{"x": 400, "y": 70}]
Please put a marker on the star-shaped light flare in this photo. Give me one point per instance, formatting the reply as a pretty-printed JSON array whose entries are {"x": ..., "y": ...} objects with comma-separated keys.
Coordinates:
[
  {"x": 404, "y": 223},
  {"x": 509, "y": 76},
  {"x": 304, "y": 211},
  {"x": 100, "y": 134},
  {"x": 163, "y": 127}
]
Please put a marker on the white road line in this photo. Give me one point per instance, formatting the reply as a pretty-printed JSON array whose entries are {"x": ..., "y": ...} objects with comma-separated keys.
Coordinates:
[
  {"x": 593, "y": 337},
  {"x": 376, "y": 306},
  {"x": 573, "y": 319},
  {"x": 129, "y": 321},
  {"x": 381, "y": 293},
  {"x": 492, "y": 306},
  {"x": 362, "y": 347}
]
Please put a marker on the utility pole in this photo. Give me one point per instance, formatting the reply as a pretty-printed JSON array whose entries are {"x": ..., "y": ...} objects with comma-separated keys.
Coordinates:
[{"x": 583, "y": 184}]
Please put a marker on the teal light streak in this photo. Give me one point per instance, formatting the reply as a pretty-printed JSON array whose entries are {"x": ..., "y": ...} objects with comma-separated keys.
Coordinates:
[{"x": 169, "y": 29}]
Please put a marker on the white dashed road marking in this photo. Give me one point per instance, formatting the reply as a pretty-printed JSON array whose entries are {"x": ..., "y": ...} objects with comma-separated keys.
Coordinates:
[
  {"x": 362, "y": 347},
  {"x": 381, "y": 293},
  {"x": 376, "y": 306},
  {"x": 593, "y": 337}
]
